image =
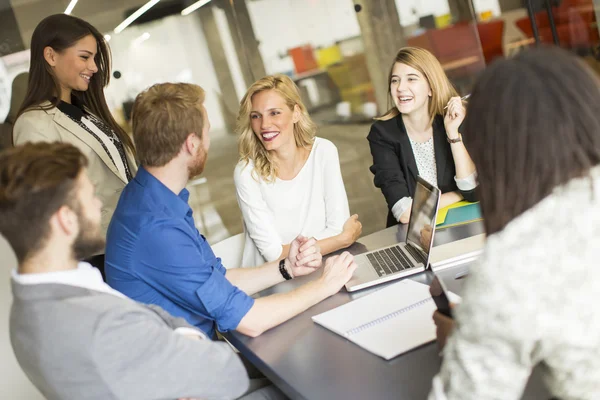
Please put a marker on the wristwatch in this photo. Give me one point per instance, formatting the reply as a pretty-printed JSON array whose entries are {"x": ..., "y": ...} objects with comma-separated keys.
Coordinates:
[
  {"x": 458, "y": 139},
  {"x": 286, "y": 275}
]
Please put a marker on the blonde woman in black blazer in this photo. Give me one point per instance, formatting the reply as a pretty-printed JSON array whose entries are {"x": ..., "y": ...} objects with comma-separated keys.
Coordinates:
[
  {"x": 70, "y": 66},
  {"x": 420, "y": 136}
]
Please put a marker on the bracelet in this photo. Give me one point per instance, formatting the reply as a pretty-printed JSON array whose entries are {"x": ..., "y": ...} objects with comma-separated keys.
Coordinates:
[
  {"x": 458, "y": 139},
  {"x": 284, "y": 271}
]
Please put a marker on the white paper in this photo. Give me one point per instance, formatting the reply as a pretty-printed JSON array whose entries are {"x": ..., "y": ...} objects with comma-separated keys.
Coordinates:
[{"x": 388, "y": 322}]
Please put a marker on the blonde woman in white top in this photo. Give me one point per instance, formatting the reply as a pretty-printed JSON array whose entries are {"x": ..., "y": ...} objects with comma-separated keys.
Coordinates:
[
  {"x": 531, "y": 300},
  {"x": 288, "y": 181}
]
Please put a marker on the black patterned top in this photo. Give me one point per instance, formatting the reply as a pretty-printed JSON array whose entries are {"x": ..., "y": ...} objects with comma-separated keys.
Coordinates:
[{"x": 80, "y": 116}]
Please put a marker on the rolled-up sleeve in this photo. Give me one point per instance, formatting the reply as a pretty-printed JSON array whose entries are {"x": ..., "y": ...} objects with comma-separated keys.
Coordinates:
[
  {"x": 223, "y": 301},
  {"x": 187, "y": 273},
  {"x": 401, "y": 206},
  {"x": 467, "y": 183}
]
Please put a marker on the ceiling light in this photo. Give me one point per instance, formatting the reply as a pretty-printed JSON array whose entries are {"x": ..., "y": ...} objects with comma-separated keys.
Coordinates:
[
  {"x": 194, "y": 7},
  {"x": 71, "y": 6},
  {"x": 107, "y": 37},
  {"x": 135, "y": 15},
  {"x": 142, "y": 38}
]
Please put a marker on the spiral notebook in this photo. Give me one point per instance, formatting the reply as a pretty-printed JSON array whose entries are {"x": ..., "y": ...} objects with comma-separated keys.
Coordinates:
[{"x": 387, "y": 323}]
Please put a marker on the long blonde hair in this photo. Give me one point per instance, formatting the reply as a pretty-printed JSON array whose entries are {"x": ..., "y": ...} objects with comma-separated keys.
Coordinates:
[
  {"x": 426, "y": 63},
  {"x": 250, "y": 147}
]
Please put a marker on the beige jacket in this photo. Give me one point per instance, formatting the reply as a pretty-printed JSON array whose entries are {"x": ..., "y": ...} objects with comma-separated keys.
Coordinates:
[
  {"x": 19, "y": 89},
  {"x": 54, "y": 126}
]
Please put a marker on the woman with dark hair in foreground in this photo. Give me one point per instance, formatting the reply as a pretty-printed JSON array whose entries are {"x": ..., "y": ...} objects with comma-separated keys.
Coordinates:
[{"x": 533, "y": 124}]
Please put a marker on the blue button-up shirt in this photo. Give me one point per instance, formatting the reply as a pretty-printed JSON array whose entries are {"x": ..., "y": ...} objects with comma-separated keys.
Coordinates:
[{"x": 155, "y": 255}]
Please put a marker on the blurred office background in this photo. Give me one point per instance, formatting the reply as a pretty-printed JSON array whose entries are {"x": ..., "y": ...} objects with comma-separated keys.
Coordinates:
[{"x": 337, "y": 51}]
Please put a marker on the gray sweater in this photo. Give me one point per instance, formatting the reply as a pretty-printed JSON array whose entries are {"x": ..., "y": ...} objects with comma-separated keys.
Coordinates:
[{"x": 77, "y": 343}]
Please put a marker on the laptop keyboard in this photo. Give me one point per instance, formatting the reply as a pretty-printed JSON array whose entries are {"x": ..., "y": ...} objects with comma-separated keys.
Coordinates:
[
  {"x": 389, "y": 261},
  {"x": 415, "y": 254}
]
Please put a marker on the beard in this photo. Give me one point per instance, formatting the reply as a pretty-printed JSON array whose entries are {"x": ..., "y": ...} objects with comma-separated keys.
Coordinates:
[
  {"x": 198, "y": 166},
  {"x": 89, "y": 241}
]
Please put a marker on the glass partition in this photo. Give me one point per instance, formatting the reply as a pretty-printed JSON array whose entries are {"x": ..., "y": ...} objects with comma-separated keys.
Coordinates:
[{"x": 338, "y": 52}]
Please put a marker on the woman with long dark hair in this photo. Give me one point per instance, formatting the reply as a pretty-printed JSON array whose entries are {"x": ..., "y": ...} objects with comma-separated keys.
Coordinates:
[
  {"x": 70, "y": 66},
  {"x": 534, "y": 134}
]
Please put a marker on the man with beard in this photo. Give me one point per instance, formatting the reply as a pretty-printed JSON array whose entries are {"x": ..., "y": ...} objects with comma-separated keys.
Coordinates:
[
  {"x": 72, "y": 334},
  {"x": 154, "y": 252}
]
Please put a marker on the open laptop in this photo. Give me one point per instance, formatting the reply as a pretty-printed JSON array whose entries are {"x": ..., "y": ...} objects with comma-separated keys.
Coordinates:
[{"x": 403, "y": 259}]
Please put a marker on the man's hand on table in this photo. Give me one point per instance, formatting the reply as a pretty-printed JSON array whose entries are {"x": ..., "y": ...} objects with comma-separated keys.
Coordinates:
[{"x": 337, "y": 271}]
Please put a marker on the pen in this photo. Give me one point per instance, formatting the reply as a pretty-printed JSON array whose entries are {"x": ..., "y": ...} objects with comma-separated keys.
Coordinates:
[
  {"x": 462, "y": 98},
  {"x": 462, "y": 274}
]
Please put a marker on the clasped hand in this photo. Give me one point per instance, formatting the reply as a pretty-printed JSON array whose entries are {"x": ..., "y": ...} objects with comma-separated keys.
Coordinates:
[{"x": 304, "y": 256}]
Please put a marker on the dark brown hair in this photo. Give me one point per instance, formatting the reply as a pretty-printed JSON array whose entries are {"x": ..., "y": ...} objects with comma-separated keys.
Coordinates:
[
  {"x": 61, "y": 31},
  {"x": 532, "y": 124},
  {"x": 162, "y": 118},
  {"x": 35, "y": 181}
]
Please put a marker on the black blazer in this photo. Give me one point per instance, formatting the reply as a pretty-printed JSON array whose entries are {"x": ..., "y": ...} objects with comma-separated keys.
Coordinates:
[{"x": 394, "y": 164}]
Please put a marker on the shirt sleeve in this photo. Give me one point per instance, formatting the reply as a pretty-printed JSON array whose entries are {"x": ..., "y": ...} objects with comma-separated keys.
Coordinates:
[
  {"x": 259, "y": 221},
  {"x": 185, "y": 331},
  {"x": 137, "y": 355},
  {"x": 186, "y": 272},
  {"x": 401, "y": 206},
  {"x": 493, "y": 348},
  {"x": 27, "y": 130},
  {"x": 336, "y": 201},
  {"x": 467, "y": 183},
  {"x": 178, "y": 324}
]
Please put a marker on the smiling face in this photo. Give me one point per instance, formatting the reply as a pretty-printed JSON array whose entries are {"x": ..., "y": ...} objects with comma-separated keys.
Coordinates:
[
  {"x": 75, "y": 66},
  {"x": 409, "y": 89},
  {"x": 272, "y": 120}
]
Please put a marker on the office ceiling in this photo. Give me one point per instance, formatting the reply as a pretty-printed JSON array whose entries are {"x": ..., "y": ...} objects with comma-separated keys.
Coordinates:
[{"x": 105, "y": 15}]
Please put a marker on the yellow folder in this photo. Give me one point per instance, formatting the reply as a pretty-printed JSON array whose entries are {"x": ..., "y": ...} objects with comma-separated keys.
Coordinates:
[{"x": 464, "y": 212}]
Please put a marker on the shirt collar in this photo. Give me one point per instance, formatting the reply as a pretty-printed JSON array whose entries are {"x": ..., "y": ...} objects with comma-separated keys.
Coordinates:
[
  {"x": 73, "y": 110},
  {"x": 178, "y": 204},
  {"x": 84, "y": 276}
]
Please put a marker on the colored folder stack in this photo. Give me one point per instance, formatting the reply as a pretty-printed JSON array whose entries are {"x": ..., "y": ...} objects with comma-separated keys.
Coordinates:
[{"x": 459, "y": 213}]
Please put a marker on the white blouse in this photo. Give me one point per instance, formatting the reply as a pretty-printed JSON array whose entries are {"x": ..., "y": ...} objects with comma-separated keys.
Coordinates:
[
  {"x": 313, "y": 204},
  {"x": 425, "y": 159},
  {"x": 531, "y": 300},
  {"x": 424, "y": 153}
]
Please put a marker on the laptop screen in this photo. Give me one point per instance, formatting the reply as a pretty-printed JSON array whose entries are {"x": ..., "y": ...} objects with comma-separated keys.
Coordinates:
[{"x": 422, "y": 218}]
